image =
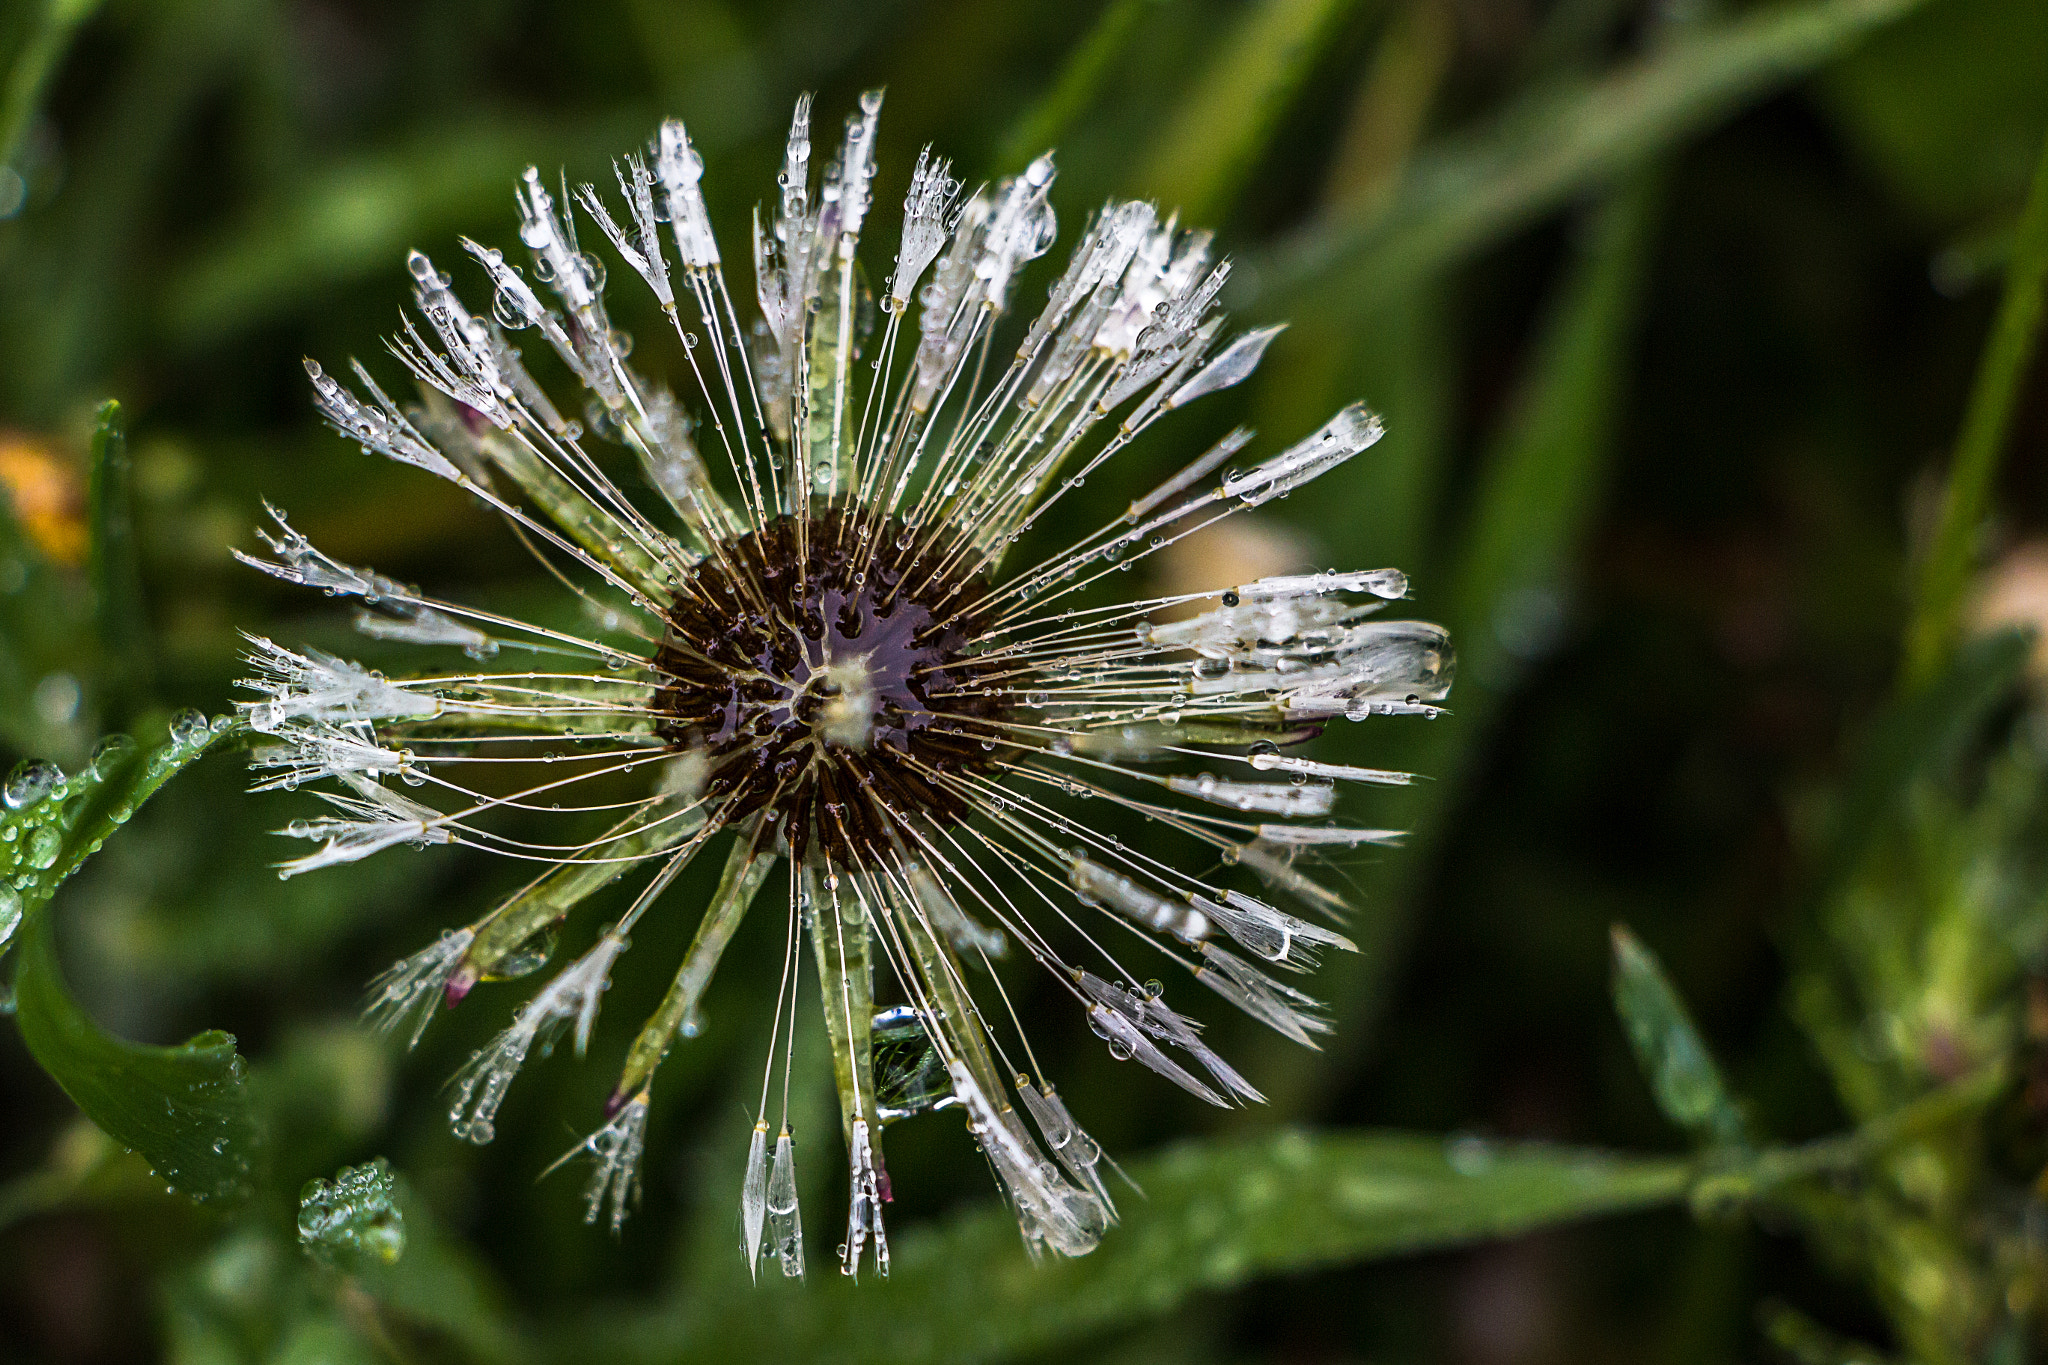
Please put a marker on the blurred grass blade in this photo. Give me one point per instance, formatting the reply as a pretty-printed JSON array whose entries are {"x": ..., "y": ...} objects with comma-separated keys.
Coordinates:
[
  {"x": 185, "y": 1109},
  {"x": 1478, "y": 186},
  {"x": 1217, "y": 131},
  {"x": 1536, "y": 493},
  {"x": 1944, "y": 577},
  {"x": 1916, "y": 735},
  {"x": 1215, "y": 1215},
  {"x": 34, "y": 65},
  {"x": 116, "y": 575},
  {"x": 1539, "y": 489},
  {"x": 350, "y": 218},
  {"x": 1681, "y": 1071},
  {"x": 1080, "y": 80}
]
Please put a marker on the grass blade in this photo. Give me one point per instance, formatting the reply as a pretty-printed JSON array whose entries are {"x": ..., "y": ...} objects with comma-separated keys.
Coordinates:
[
  {"x": 116, "y": 575},
  {"x": 1944, "y": 577},
  {"x": 1213, "y": 137},
  {"x": 1080, "y": 79},
  {"x": 1215, "y": 1215},
  {"x": 1477, "y": 187}
]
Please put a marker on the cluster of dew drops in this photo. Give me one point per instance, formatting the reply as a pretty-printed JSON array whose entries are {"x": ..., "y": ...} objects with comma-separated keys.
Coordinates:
[{"x": 36, "y": 810}]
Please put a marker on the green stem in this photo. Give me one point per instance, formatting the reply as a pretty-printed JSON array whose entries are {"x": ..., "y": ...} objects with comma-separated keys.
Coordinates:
[
  {"x": 1944, "y": 577},
  {"x": 1759, "y": 1175}
]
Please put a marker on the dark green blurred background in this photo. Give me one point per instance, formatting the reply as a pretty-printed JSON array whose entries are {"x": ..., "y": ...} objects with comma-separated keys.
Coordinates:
[{"x": 1669, "y": 367}]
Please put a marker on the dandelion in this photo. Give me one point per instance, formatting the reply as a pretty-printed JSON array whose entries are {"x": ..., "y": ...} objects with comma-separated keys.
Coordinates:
[{"x": 815, "y": 649}]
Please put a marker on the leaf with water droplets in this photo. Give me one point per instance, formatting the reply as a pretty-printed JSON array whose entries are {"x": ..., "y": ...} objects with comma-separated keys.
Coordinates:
[
  {"x": 186, "y": 1109},
  {"x": 50, "y": 823},
  {"x": 1215, "y": 1215}
]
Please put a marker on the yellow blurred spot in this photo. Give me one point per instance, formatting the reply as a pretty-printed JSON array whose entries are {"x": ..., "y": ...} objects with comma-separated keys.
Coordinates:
[
  {"x": 43, "y": 489},
  {"x": 1226, "y": 555}
]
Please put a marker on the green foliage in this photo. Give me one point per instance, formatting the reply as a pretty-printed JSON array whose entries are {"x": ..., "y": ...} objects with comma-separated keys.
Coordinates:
[
  {"x": 1516, "y": 242},
  {"x": 1212, "y": 138},
  {"x": 1211, "y": 1216},
  {"x": 1948, "y": 105},
  {"x": 185, "y": 1108},
  {"x": 353, "y": 1218},
  {"x": 1555, "y": 142},
  {"x": 1944, "y": 576},
  {"x": 1668, "y": 1047}
]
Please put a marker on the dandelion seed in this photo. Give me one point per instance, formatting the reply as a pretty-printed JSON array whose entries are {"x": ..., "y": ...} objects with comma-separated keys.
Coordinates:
[
  {"x": 615, "y": 1152},
  {"x": 754, "y": 1198},
  {"x": 404, "y": 997},
  {"x": 785, "y": 1222},
  {"x": 824, "y": 658}
]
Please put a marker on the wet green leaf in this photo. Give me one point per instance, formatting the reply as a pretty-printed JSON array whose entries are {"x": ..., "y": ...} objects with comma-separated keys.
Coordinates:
[
  {"x": 1214, "y": 1215},
  {"x": 185, "y": 1109},
  {"x": 51, "y": 822},
  {"x": 1668, "y": 1047},
  {"x": 354, "y": 1218}
]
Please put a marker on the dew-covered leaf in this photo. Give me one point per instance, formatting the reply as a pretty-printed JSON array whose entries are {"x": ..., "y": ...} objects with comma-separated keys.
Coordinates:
[
  {"x": 1214, "y": 1215},
  {"x": 185, "y": 1109},
  {"x": 51, "y": 821}
]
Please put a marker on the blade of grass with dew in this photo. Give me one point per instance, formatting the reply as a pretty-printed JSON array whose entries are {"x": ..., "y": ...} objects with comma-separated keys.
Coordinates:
[
  {"x": 1944, "y": 576},
  {"x": 1215, "y": 134},
  {"x": 1476, "y": 187},
  {"x": 1080, "y": 80},
  {"x": 1215, "y": 1215}
]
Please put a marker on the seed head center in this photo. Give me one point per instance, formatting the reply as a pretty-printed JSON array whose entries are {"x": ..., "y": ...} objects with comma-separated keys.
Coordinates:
[{"x": 817, "y": 659}]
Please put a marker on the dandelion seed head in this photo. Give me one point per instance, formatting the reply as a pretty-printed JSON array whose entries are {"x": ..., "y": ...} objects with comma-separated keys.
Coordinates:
[{"x": 809, "y": 645}]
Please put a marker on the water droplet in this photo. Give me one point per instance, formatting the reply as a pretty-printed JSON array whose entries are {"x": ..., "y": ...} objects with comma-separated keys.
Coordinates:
[
  {"x": 30, "y": 782},
  {"x": 42, "y": 848},
  {"x": 189, "y": 727}
]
